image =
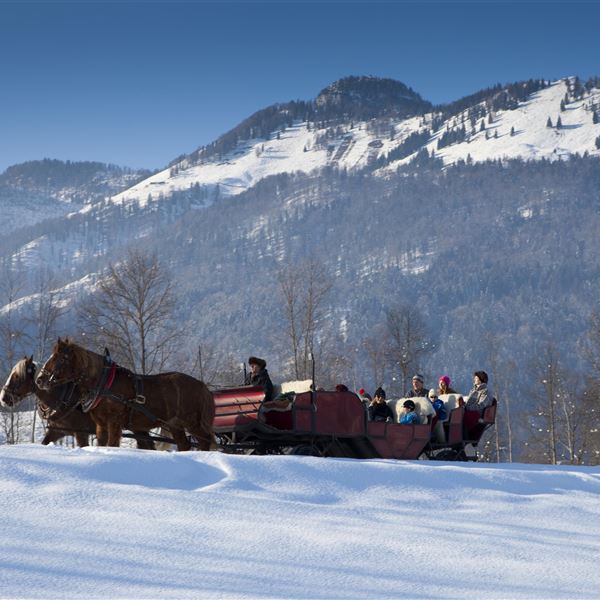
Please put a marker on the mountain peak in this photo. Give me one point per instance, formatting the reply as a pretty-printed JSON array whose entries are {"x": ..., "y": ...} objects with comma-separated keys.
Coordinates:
[{"x": 367, "y": 97}]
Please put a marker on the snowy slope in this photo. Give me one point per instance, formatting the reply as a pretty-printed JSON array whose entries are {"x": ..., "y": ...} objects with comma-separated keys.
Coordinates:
[
  {"x": 356, "y": 145},
  {"x": 295, "y": 149},
  {"x": 19, "y": 209},
  {"x": 119, "y": 523},
  {"x": 533, "y": 140}
]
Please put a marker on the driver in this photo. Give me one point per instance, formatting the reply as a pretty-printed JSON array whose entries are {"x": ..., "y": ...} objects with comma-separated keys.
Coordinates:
[{"x": 259, "y": 376}]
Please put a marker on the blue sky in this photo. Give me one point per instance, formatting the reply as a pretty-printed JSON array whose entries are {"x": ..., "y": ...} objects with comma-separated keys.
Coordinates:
[{"x": 138, "y": 83}]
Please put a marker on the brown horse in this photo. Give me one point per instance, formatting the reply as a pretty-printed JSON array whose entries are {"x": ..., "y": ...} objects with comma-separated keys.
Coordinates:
[
  {"x": 54, "y": 405},
  {"x": 59, "y": 407},
  {"x": 121, "y": 399}
]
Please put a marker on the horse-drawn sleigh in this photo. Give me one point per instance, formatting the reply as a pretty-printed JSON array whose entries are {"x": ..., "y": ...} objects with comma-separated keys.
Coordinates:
[
  {"x": 334, "y": 423},
  {"x": 300, "y": 421}
]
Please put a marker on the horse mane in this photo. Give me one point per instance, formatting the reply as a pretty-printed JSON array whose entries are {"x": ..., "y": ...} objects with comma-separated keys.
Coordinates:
[
  {"x": 86, "y": 360},
  {"x": 20, "y": 369}
]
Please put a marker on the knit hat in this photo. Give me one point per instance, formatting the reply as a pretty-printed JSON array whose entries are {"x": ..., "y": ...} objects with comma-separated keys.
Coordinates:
[
  {"x": 445, "y": 379},
  {"x": 409, "y": 404},
  {"x": 340, "y": 387},
  {"x": 483, "y": 376},
  {"x": 432, "y": 393},
  {"x": 364, "y": 395},
  {"x": 253, "y": 360},
  {"x": 418, "y": 377},
  {"x": 380, "y": 392}
]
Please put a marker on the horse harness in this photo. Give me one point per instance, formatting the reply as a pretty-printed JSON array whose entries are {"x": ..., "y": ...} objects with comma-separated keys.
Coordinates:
[
  {"x": 102, "y": 390},
  {"x": 65, "y": 405}
]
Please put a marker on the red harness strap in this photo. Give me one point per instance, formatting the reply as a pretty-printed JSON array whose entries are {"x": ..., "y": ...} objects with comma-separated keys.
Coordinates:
[
  {"x": 111, "y": 377},
  {"x": 109, "y": 381}
]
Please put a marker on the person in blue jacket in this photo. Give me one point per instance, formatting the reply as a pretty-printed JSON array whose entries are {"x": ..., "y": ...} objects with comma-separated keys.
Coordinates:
[
  {"x": 438, "y": 405},
  {"x": 409, "y": 416}
]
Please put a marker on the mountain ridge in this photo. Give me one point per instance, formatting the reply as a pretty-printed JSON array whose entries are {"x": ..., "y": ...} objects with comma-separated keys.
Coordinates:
[{"x": 512, "y": 119}]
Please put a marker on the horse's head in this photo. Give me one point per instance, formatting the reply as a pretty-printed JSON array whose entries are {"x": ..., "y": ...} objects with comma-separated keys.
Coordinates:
[
  {"x": 62, "y": 366},
  {"x": 20, "y": 382}
]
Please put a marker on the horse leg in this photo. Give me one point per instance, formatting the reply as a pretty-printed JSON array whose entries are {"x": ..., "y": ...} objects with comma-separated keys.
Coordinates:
[
  {"x": 205, "y": 440},
  {"x": 83, "y": 439},
  {"x": 181, "y": 440},
  {"x": 114, "y": 434},
  {"x": 52, "y": 435},
  {"x": 143, "y": 442},
  {"x": 101, "y": 434}
]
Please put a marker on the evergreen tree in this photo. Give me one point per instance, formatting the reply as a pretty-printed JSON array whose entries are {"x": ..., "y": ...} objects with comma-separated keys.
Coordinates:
[
  {"x": 482, "y": 126},
  {"x": 598, "y": 142},
  {"x": 595, "y": 118},
  {"x": 559, "y": 123},
  {"x": 562, "y": 106},
  {"x": 549, "y": 122},
  {"x": 512, "y": 131}
]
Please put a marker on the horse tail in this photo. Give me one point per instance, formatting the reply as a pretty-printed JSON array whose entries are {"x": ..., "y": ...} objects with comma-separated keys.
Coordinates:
[{"x": 206, "y": 416}]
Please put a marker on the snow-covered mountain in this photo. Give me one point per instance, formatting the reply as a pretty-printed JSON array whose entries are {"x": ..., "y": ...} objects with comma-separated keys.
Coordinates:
[
  {"x": 35, "y": 191},
  {"x": 521, "y": 131},
  {"x": 395, "y": 198}
]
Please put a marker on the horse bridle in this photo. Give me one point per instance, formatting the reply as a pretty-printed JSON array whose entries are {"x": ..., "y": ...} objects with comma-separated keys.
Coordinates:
[{"x": 52, "y": 380}]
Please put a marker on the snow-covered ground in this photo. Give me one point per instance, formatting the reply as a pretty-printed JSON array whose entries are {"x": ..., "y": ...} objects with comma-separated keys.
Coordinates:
[{"x": 116, "y": 523}]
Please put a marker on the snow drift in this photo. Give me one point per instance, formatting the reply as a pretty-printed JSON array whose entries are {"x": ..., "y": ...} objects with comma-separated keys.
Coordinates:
[{"x": 127, "y": 523}]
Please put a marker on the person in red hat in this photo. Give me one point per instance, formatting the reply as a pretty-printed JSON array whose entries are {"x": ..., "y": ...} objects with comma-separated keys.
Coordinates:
[{"x": 259, "y": 376}]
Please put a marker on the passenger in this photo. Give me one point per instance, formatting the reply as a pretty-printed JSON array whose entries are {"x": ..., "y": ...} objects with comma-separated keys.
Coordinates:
[
  {"x": 409, "y": 416},
  {"x": 379, "y": 411},
  {"x": 418, "y": 390},
  {"x": 480, "y": 396},
  {"x": 364, "y": 396},
  {"x": 340, "y": 387},
  {"x": 444, "y": 384},
  {"x": 438, "y": 405},
  {"x": 259, "y": 376}
]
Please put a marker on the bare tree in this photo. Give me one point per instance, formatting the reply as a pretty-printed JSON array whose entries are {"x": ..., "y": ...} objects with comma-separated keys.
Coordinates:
[
  {"x": 12, "y": 333},
  {"x": 590, "y": 351},
  {"x": 304, "y": 289},
  {"x": 45, "y": 313},
  {"x": 562, "y": 415},
  {"x": 590, "y": 346},
  {"x": 549, "y": 376},
  {"x": 408, "y": 341},
  {"x": 217, "y": 367},
  {"x": 502, "y": 371},
  {"x": 131, "y": 313},
  {"x": 376, "y": 358}
]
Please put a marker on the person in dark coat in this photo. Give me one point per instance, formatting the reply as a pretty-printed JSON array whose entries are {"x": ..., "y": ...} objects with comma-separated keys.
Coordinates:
[
  {"x": 259, "y": 376},
  {"x": 379, "y": 411},
  {"x": 418, "y": 390}
]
